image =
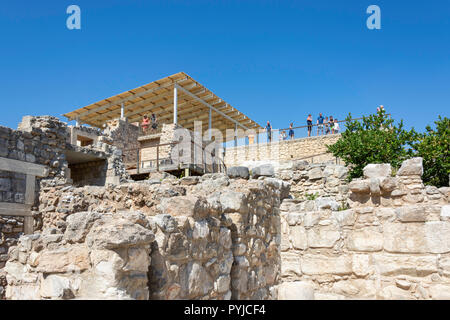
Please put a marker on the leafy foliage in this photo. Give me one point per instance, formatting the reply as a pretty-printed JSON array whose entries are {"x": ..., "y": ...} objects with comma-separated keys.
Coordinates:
[
  {"x": 374, "y": 139},
  {"x": 434, "y": 147}
]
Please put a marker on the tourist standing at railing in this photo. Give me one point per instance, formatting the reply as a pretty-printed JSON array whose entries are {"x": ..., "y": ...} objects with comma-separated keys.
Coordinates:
[
  {"x": 283, "y": 135},
  {"x": 327, "y": 126},
  {"x": 336, "y": 126},
  {"x": 291, "y": 131},
  {"x": 145, "y": 124},
  {"x": 320, "y": 120},
  {"x": 331, "y": 123},
  {"x": 154, "y": 122},
  {"x": 309, "y": 123},
  {"x": 268, "y": 128}
]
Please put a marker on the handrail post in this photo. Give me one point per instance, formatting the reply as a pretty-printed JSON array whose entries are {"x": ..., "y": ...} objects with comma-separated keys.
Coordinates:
[
  {"x": 157, "y": 157},
  {"x": 138, "y": 160}
]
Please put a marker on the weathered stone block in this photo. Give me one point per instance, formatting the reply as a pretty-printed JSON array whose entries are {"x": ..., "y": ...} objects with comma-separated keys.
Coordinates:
[
  {"x": 404, "y": 237},
  {"x": 298, "y": 290},
  {"x": 411, "y": 167},
  {"x": 323, "y": 237},
  {"x": 377, "y": 170},
  {"x": 366, "y": 239},
  {"x": 290, "y": 264},
  {"x": 411, "y": 214},
  {"x": 319, "y": 264},
  {"x": 238, "y": 172}
]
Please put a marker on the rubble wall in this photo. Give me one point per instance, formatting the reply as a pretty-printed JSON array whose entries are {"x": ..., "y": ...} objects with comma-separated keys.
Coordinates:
[
  {"x": 392, "y": 243},
  {"x": 207, "y": 237}
]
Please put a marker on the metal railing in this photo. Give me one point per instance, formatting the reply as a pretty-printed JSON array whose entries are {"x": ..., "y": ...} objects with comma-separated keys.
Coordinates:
[
  {"x": 313, "y": 128},
  {"x": 218, "y": 164}
]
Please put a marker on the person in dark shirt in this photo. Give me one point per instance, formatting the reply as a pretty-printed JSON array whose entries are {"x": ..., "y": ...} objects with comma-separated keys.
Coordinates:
[
  {"x": 154, "y": 122},
  {"x": 320, "y": 120},
  {"x": 291, "y": 131},
  {"x": 269, "y": 131},
  {"x": 309, "y": 123}
]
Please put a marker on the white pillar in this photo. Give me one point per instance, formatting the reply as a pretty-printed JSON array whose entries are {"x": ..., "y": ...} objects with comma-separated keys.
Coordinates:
[
  {"x": 77, "y": 122},
  {"x": 210, "y": 124},
  {"x": 122, "y": 111},
  {"x": 235, "y": 134},
  {"x": 175, "y": 104}
]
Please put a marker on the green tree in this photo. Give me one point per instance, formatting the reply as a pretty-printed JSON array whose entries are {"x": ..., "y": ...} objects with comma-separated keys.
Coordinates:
[
  {"x": 374, "y": 139},
  {"x": 434, "y": 147}
]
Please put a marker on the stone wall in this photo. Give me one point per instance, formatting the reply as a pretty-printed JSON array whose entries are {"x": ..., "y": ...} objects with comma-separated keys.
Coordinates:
[
  {"x": 124, "y": 136},
  {"x": 206, "y": 237},
  {"x": 46, "y": 141},
  {"x": 288, "y": 150},
  {"x": 392, "y": 243}
]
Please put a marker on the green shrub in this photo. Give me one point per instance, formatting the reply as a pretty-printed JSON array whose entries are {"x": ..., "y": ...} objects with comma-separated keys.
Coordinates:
[
  {"x": 375, "y": 139},
  {"x": 434, "y": 147}
]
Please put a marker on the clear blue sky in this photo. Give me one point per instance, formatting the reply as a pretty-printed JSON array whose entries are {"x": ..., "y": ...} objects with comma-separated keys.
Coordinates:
[{"x": 277, "y": 60}]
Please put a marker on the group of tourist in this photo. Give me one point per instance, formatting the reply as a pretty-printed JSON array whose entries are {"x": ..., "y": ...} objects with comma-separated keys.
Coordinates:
[
  {"x": 149, "y": 122},
  {"x": 325, "y": 125}
]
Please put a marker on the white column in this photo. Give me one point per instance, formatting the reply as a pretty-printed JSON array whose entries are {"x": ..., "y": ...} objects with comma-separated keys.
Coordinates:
[
  {"x": 210, "y": 124},
  {"x": 122, "y": 111},
  {"x": 235, "y": 134},
  {"x": 175, "y": 104},
  {"x": 77, "y": 122}
]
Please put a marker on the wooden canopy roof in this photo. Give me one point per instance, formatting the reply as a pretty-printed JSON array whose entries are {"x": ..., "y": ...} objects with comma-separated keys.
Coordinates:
[{"x": 194, "y": 103}]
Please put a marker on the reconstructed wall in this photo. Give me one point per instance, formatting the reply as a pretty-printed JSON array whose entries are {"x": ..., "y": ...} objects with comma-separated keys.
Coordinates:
[
  {"x": 44, "y": 140},
  {"x": 124, "y": 136},
  {"x": 393, "y": 242},
  {"x": 199, "y": 238},
  {"x": 286, "y": 150}
]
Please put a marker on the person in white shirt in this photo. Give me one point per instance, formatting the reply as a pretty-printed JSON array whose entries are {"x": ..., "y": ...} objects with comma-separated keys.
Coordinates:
[{"x": 336, "y": 126}]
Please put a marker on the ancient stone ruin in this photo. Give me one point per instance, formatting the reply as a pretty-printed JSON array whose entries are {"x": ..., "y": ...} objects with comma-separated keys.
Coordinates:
[{"x": 297, "y": 230}]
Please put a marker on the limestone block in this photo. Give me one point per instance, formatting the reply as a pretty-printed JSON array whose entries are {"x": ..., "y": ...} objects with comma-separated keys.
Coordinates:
[
  {"x": 445, "y": 211},
  {"x": 56, "y": 287},
  {"x": 437, "y": 235},
  {"x": 265, "y": 170},
  {"x": 233, "y": 201},
  {"x": 238, "y": 172},
  {"x": 299, "y": 238},
  {"x": 180, "y": 206},
  {"x": 360, "y": 264},
  {"x": 318, "y": 264},
  {"x": 197, "y": 280},
  {"x": 367, "y": 240},
  {"x": 290, "y": 264},
  {"x": 345, "y": 217},
  {"x": 327, "y": 203},
  {"x": 440, "y": 291},
  {"x": 74, "y": 258},
  {"x": 297, "y": 290},
  {"x": 388, "y": 184},
  {"x": 395, "y": 293},
  {"x": 405, "y": 237},
  {"x": 411, "y": 167},
  {"x": 201, "y": 229},
  {"x": 378, "y": 170},
  {"x": 411, "y": 214},
  {"x": 374, "y": 186},
  {"x": 415, "y": 266},
  {"x": 359, "y": 186},
  {"x": 323, "y": 237},
  {"x": 117, "y": 233},
  {"x": 315, "y": 173}
]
